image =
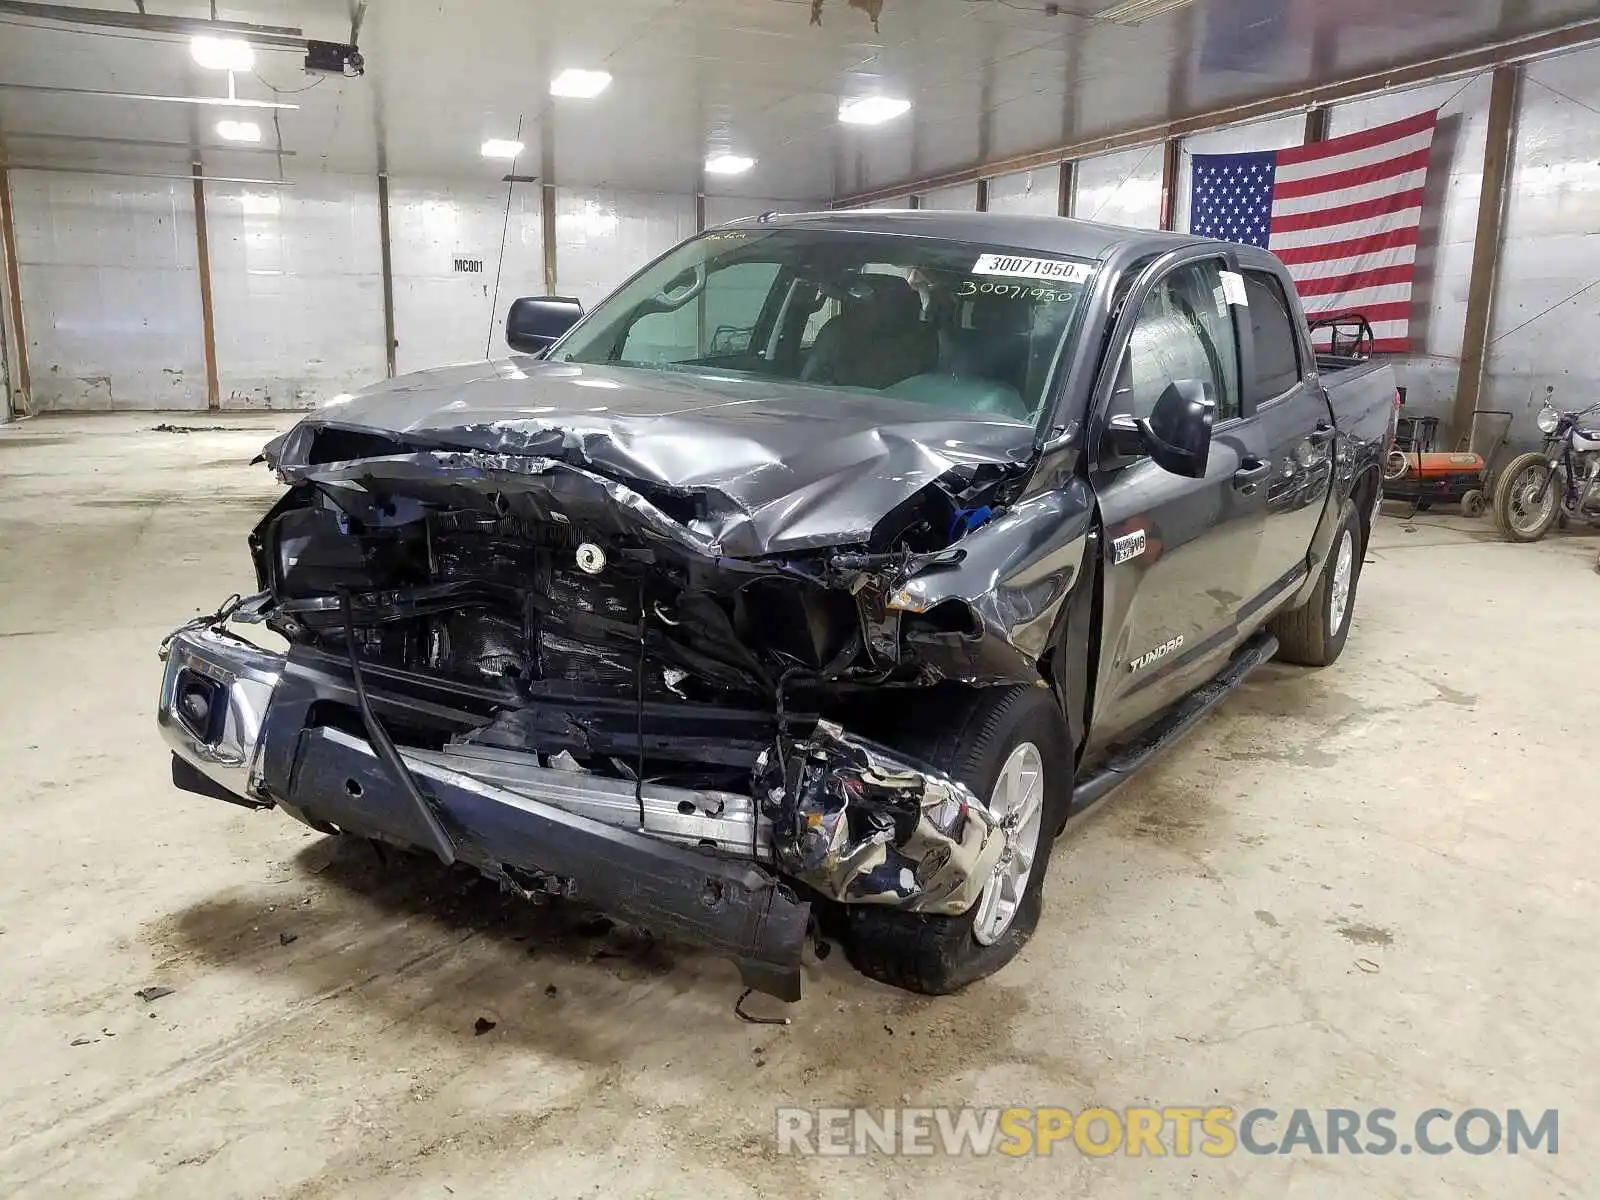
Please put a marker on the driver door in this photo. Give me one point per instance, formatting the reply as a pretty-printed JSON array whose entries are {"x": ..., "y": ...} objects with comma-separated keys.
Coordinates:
[{"x": 1180, "y": 554}]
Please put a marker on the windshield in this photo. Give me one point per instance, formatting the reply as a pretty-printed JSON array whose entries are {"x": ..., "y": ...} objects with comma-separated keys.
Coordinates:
[{"x": 955, "y": 325}]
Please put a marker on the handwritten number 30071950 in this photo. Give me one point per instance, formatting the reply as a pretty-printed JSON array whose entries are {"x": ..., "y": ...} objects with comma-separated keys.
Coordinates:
[{"x": 970, "y": 287}]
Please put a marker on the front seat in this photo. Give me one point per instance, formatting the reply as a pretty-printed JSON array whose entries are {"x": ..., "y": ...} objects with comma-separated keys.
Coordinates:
[
  {"x": 877, "y": 339},
  {"x": 995, "y": 345}
]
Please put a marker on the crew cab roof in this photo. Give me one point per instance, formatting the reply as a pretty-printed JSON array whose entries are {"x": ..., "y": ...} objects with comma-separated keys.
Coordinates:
[{"x": 1019, "y": 231}]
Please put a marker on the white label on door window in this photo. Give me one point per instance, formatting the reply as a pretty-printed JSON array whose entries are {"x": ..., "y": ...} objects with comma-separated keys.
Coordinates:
[
  {"x": 1233, "y": 289},
  {"x": 1031, "y": 268}
]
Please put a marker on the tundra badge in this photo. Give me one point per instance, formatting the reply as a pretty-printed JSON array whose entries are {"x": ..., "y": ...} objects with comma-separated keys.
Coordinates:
[
  {"x": 1161, "y": 651},
  {"x": 1128, "y": 546}
]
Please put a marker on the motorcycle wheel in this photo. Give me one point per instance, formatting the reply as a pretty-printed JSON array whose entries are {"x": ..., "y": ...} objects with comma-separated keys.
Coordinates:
[{"x": 1519, "y": 510}]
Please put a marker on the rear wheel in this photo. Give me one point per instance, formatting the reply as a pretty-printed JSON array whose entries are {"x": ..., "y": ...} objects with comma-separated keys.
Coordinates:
[
  {"x": 1314, "y": 634},
  {"x": 1472, "y": 503},
  {"x": 1009, "y": 745},
  {"x": 1527, "y": 500}
]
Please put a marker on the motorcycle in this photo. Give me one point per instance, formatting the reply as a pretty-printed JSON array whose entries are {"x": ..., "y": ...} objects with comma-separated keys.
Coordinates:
[{"x": 1560, "y": 482}]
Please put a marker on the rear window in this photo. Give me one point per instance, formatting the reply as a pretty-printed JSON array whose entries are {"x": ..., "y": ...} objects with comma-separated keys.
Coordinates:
[{"x": 1277, "y": 348}]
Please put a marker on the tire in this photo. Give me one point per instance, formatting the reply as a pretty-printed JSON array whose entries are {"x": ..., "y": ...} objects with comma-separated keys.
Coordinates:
[
  {"x": 1313, "y": 635},
  {"x": 1512, "y": 496},
  {"x": 936, "y": 955},
  {"x": 1472, "y": 503}
]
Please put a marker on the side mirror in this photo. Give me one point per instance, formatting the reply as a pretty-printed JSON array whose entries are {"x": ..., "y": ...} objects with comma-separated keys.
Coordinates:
[
  {"x": 1176, "y": 434},
  {"x": 535, "y": 323}
]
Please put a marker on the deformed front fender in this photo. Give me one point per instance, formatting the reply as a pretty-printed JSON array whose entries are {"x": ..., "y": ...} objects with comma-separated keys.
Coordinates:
[{"x": 1013, "y": 579}]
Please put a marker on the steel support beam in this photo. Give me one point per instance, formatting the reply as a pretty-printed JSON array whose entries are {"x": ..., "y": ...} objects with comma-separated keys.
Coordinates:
[
  {"x": 1316, "y": 125},
  {"x": 284, "y": 36},
  {"x": 1497, "y": 149},
  {"x": 699, "y": 212},
  {"x": 1465, "y": 62},
  {"x": 22, "y": 385},
  {"x": 208, "y": 324},
  {"x": 386, "y": 259},
  {"x": 1169, "y": 182},
  {"x": 1066, "y": 187},
  {"x": 547, "y": 197}
]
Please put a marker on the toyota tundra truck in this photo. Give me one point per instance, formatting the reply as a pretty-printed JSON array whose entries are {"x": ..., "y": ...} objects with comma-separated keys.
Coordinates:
[{"x": 810, "y": 581}]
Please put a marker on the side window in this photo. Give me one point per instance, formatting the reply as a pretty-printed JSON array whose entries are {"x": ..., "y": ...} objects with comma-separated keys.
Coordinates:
[
  {"x": 1276, "y": 347},
  {"x": 718, "y": 322},
  {"x": 734, "y": 299},
  {"x": 1184, "y": 331}
]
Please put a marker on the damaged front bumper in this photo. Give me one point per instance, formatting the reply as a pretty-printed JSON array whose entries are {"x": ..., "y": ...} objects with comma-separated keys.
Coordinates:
[{"x": 846, "y": 818}]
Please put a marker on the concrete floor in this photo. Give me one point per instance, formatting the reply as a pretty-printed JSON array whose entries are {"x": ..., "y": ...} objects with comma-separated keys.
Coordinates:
[{"x": 1369, "y": 886}]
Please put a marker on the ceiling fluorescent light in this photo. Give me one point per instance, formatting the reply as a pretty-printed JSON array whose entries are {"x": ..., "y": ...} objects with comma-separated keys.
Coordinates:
[
  {"x": 584, "y": 85},
  {"x": 1132, "y": 12},
  {"x": 728, "y": 164},
  {"x": 239, "y": 131},
  {"x": 222, "y": 54},
  {"x": 259, "y": 206},
  {"x": 500, "y": 148},
  {"x": 872, "y": 110}
]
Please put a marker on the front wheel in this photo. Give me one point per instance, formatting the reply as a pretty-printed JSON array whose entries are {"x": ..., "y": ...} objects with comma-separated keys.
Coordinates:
[
  {"x": 1528, "y": 498},
  {"x": 1009, "y": 745}
]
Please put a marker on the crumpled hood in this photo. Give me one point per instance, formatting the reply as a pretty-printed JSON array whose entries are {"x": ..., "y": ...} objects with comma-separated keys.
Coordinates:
[{"x": 781, "y": 466}]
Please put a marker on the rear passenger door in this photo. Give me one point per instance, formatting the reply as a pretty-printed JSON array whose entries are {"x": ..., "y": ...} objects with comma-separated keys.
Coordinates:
[{"x": 1294, "y": 430}]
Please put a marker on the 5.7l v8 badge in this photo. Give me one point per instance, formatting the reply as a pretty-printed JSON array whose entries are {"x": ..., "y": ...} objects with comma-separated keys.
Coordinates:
[{"x": 1128, "y": 546}]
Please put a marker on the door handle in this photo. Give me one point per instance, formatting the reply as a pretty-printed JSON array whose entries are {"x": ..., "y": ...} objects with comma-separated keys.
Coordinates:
[
  {"x": 1252, "y": 473},
  {"x": 1321, "y": 435}
]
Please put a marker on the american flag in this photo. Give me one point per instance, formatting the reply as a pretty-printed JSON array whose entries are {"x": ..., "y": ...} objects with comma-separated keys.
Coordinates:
[{"x": 1342, "y": 214}]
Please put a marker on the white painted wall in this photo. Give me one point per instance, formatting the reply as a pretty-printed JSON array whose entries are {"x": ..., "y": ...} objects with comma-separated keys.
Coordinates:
[
  {"x": 1026, "y": 192},
  {"x": 297, "y": 290},
  {"x": 961, "y": 196},
  {"x": 110, "y": 292},
  {"x": 603, "y": 236},
  {"x": 1120, "y": 189},
  {"x": 442, "y": 315}
]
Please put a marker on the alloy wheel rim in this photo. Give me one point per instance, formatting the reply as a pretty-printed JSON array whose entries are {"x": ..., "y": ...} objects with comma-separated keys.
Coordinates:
[
  {"x": 1343, "y": 572},
  {"x": 1018, "y": 803}
]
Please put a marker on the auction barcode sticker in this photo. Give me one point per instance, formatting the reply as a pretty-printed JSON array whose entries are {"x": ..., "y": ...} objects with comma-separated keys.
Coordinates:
[{"x": 1031, "y": 268}]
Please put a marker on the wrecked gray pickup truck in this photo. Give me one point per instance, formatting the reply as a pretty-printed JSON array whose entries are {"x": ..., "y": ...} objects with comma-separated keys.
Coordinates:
[{"x": 810, "y": 581}]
